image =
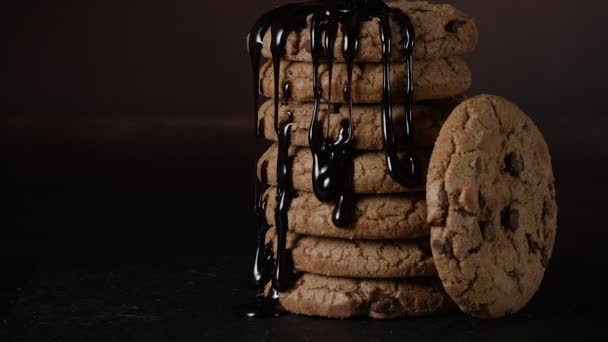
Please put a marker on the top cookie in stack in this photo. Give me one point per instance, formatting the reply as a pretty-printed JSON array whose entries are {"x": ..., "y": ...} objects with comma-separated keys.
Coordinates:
[
  {"x": 443, "y": 33},
  {"x": 378, "y": 249}
]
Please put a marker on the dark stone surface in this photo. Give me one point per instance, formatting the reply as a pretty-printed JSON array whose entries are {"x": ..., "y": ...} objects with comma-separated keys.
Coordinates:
[{"x": 198, "y": 299}]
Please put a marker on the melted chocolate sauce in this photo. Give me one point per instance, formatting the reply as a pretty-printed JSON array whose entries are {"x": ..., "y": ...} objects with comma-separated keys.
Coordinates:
[
  {"x": 404, "y": 171},
  {"x": 333, "y": 165}
]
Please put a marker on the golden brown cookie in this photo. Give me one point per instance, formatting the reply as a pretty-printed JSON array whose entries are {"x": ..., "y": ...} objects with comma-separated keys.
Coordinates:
[
  {"x": 371, "y": 175},
  {"x": 359, "y": 258},
  {"x": 436, "y": 79},
  {"x": 491, "y": 206},
  {"x": 441, "y": 31},
  {"x": 334, "y": 297},
  {"x": 427, "y": 120},
  {"x": 399, "y": 216}
]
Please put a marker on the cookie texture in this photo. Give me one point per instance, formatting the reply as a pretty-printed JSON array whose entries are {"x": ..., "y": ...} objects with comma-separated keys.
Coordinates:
[
  {"x": 427, "y": 120},
  {"x": 436, "y": 79},
  {"x": 334, "y": 297},
  {"x": 399, "y": 216},
  {"x": 491, "y": 206},
  {"x": 359, "y": 258},
  {"x": 441, "y": 31},
  {"x": 370, "y": 171}
]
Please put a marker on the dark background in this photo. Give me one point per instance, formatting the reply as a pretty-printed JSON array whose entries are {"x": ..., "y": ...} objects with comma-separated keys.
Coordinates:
[{"x": 125, "y": 131}]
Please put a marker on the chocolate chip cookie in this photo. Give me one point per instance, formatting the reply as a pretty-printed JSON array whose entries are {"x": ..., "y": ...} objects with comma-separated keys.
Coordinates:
[
  {"x": 491, "y": 206},
  {"x": 441, "y": 31},
  {"x": 399, "y": 216},
  {"x": 316, "y": 295},
  {"x": 427, "y": 120},
  {"x": 359, "y": 258},
  {"x": 371, "y": 175},
  {"x": 435, "y": 79}
]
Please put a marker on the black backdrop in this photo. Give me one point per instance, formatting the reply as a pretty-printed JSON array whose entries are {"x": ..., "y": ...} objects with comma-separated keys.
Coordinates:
[
  {"x": 125, "y": 125},
  {"x": 125, "y": 130}
]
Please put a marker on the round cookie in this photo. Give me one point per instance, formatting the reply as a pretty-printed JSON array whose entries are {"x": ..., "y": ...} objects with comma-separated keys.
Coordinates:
[
  {"x": 441, "y": 31},
  {"x": 491, "y": 207},
  {"x": 370, "y": 176},
  {"x": 427, "y": 120},
  {"x": 359, "y": 259},
  {"x": 400, "y": 216},
  {"x": 436, "y": 79},
  {"x": 316, "y": 295}
]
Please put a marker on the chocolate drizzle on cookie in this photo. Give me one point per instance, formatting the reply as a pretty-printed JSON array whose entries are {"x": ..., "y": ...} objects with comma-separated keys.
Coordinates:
[{"x": 333, "y": 158}]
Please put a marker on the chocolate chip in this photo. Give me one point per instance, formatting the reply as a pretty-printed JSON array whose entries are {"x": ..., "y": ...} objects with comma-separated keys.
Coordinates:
[
  {"x": 509, "y": 218},
  {"x": 443, "y": 248},
  {"x": 386, "y": 306},
  {"x": 547, "y": 213},
  {"x": 514, "y": 164},
  {"x": 531, "y": 245},
  {"x": 474, "y": 250},
  {"x": 478, "y": 167},
  {"x": 453, "y": 25},
  {"x": 488, "y": 230},
  {"x": 442, "y": 203},
  {"x": 514, "y": 275},
  {"x": 336, "y": 108},
  {"x": 482, "y": 201}
]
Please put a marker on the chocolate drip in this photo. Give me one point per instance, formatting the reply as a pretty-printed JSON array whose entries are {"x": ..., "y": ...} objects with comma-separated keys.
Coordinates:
[
  {"x": 404, "y": 171},
  {"x": 283, "y": 269},
  {"x": 281, "y": 22},
  {"x": 333, "y": 165}
]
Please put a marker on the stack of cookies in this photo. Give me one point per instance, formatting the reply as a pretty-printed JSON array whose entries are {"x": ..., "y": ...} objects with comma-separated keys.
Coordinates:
[
  {"x": 380, "y": 265},
  {"x": 477, "y": 232}
]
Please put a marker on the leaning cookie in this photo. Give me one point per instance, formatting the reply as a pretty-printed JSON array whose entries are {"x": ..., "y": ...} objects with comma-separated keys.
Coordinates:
[
  {"x": 333, "y": 297},
  {"x": 441, "y": 31},
  {"x": 433, "y": 80},
  {"x": 491, "y": 206},
  {"x": 376, "y": 217},
  {"x": 367, "y": 121},
  {"x": 370, "y": 171},
  {"x": 359, "y": 259}
]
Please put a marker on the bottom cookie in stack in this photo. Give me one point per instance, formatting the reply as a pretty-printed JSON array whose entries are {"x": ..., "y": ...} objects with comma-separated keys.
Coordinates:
[
  {"x": 339, "y": 297},
  {"x": 382, "y": 279}
]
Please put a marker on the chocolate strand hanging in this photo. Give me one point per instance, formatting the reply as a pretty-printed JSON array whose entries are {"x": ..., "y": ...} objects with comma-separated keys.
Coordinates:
[
  {"x": 263, "y": 254},
  {"x": 404, "y": 171},
  {"x": 277, "y": 47},
  {"x": 330, "y": 38},
  {"x": 343, "y": 212},
  {"x": 282, "y": 271},
  {"x": 316, "y": 32},
  {"x": 284, "y": 20},
  {"x": 332, "y": 161},
  {"x": 280, "y": 280}
]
